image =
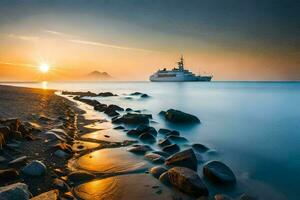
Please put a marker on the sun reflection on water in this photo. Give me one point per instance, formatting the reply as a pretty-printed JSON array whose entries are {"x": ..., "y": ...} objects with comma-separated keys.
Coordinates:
[{"x": 45, "y": 85}]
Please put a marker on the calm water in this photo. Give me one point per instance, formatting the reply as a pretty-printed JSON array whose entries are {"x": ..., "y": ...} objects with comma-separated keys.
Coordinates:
[{"x": 253, "y": 126}]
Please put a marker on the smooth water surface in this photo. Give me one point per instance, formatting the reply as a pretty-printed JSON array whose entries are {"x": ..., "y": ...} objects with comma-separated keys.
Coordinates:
[{"x": 253, "y": 126}]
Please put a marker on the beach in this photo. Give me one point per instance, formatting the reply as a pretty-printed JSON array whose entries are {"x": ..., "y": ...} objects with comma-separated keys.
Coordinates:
[{"x": 105, "y": 146}]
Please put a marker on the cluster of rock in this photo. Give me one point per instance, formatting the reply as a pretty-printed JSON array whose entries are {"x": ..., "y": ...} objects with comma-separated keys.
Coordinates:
[
  {"x": 89, "y": 94},
  {"x": 142, "y": 95},
  {"x": 177, "y": 116}
]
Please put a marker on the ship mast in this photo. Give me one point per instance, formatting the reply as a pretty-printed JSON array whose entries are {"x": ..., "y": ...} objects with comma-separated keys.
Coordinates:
[{"x": 180, "y": 64}]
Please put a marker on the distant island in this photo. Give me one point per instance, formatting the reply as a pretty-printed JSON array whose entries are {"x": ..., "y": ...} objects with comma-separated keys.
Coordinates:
[{"x": 96, "y": 75}]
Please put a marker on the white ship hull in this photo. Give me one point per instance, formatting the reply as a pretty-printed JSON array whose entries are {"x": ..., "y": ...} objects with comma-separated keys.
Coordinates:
[{"x": 179, "y": 79}]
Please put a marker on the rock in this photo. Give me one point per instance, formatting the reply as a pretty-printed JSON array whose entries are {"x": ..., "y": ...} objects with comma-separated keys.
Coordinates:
[
  {"x": 53, "y": 136},
  {"x": 164, "y": 178},
  {"x": 157, "y": 171},
  {"x": 164, "y": 131},
  {"x": 172, "y": 148},
  {"x": 133, "y": 133},
  {"x": 62, "y": 146},
  {"x": 187, "y": 181},
  {"x": 128, "y": 109},
  {"x": 222, "y": 197},
  {"x": 13, "y": 124},
  {"x": 177, "y": 116},
  {"x": 139, "y": 149},
  {"x": 61, "y": 154},
  {"x": 164, "y": 154},
  {"x": 218, "y": 172},
  {"x": 186, "y": 158},
  {"x": 50, "y": 195},
  {"x": 147, "y": 137},
  {"x": 247, "y": 197},
  {"x": 2, "y": 159},
  {"x": 112, "y": 113},
  {"x": 14, "y": 191},
  {"x": 100, "y": 107},
  {"x": 142, "y": 128},
  {"x": 60, "y": 185},
  {"x": 164, "y": 142},
  {"x": 155, "y": 158},
  {"x": 34, "y": 168},
  {"x": 133, "y": 118},
  {"x": 200, "y": 148},
  {"x": 173, "y": 133},
  {"x": 5, "y": 130},
  {"x": 175, "y": 138},
  {"x": 106, "y": 94},
  {"x": 135, "y": 93},
  {"x": 144, "y": 96},
  {"x": 8, "y": 175},
  {"x": 119, "y": 127},
  {"x": 80, "y": 177},
  {"x": 152, "y": 131}
]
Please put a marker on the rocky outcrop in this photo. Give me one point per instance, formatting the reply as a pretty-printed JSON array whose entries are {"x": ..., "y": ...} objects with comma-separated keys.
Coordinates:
[
  {"x": 186, "y": 158},
  {"x": 15, "y": 191},
  {"x": 106, "y": 94},
  {"x": 218, "y": 172},
  {"x": 187, "y": 181},
  {"x": 180, "y": 117}
]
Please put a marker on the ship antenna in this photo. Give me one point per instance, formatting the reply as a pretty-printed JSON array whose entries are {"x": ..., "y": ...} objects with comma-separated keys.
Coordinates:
[{"x": 181, "y": 65}]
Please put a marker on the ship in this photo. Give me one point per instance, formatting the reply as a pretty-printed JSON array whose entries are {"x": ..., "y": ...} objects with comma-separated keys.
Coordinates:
[{"x": 179, "y": 74}]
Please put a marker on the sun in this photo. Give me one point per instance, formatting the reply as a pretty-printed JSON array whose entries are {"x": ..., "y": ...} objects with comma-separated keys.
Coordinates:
[{"x": 44, "y": 68}]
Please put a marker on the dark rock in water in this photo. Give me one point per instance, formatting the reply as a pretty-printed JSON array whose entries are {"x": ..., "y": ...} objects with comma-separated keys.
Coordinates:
[
  {"x": 142, "y": 128},
  {"x": 172, "y": 148},
  {"x": 155, "y": 158},
  {"x": 186, "y": 158},
  {"x": 164, "y": 131},
  {"x": 144, "y": 95},
  {"x": 162, "y": 113},
  {"x": 100, "y": 107},
  {"x": 247, "y": 197},
  {"x": 112, "y": 113},
  {"x": 106, "y": 94},
  {"x": 157, "y": 171},
  {"x": 222, "y": 197},
  {"x": 8, "y": 175},
  {"x": 35, "y": 168},
  {"x": 15, "y": 191},
  {"x": 135, "y": 93},
  {"x": 50, "y": 195},
  {"x": 147, "y": 137},
  {"x": 164, "y": 142},
  {"x": 87, "y": 94},
  {"x": 133, "y": 133},
  {"x": 18, "y": 161},
  {"x": 139, "y": 149},
  {"x": 164, "y": 154},
  {"x": 128, "y": 109},
  {"x": 114, "y": 107},
  {"x": 175, "y": 133},
  {"x": 133, "y": 118},
  {"x": 200, "y": 148},
  {"x": 175, "y": 138},
  {"x": 177, "y": 116},
  {"x": 187, "y": 181},
  {"x": 164, "y": 178},
  {"x": 79, "y": 177},
  {"x": 60, "y": 185},
  {"x": 119, "y": 127},
  {"x": 218, "y": 172}
]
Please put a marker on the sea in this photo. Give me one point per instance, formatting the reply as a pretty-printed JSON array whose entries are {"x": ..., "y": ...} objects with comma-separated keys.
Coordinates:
[{"x": 253, "y": 127}]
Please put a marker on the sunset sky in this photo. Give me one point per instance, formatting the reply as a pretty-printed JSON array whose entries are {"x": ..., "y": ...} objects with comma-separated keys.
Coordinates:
[{"x": 232, "y": 39}]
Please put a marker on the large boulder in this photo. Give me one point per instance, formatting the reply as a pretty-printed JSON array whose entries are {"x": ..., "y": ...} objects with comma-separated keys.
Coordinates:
[
  {"x": 186, "y": 158},
  {"x": 34, "y": 168},
  {"x": 157, "y": 171},
  {"x": 187, "y": 181},
  {"x": 218, "y": 172},
  {"x": 172, "y": 148},
  {"x": 175, "y": 138},
  {"x": 155, "y": 158},
  {"x": 177, "y": 116},
  {"x": 200, "y": 148},
  {"x": 133, "y": 118},
  {"x": 106, "y": 94},
  {"x": 50, "y": 195},
  {"x": 164, "y": 142},
  {"x": 14, "y": 192},
  {"x": 147, "y": 137}
]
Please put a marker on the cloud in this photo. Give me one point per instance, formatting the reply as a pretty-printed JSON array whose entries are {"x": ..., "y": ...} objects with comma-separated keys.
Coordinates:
[
  {"x": 17, "y": 64},
  {"x": 24, "y": 37},
  {"x": 58, "y": 33},
  {"x": 92, "y": 43}
]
